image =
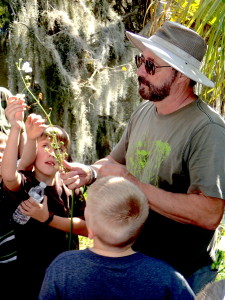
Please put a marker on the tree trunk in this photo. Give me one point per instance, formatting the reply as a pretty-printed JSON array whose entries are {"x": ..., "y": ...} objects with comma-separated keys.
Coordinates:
[{"x": 82, "y": 65}]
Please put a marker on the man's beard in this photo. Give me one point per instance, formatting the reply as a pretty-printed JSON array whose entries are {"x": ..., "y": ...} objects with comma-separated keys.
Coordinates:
[{"x": 153, "y": 93}]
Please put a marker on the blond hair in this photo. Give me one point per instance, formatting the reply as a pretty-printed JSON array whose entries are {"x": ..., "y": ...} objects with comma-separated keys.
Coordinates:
[{"x": 117, "y": 210}]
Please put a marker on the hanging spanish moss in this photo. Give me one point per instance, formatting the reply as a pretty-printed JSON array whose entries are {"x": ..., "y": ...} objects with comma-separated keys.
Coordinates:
[{"x": 82, "y": 69}]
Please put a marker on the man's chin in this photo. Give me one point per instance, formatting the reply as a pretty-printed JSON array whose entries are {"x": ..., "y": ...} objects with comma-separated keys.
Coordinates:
[
  {"x": 149, "y": 97},
  {"x": 145, "y": 96}
]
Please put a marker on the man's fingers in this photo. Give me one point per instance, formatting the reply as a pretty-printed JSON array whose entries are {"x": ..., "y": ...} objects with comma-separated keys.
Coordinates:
[{"x": 67, "y": 165}]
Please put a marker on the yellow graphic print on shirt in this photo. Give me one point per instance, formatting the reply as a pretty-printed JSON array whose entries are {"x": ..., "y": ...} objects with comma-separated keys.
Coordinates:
[{"x": 147, "y": 159}]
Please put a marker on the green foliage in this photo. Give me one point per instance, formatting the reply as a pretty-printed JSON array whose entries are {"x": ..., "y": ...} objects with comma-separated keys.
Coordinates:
[
  {"x": 219, "y": 262},
  {"x": 85, "y": 242},
  {"x": 4, "y": 16},
  {"x": 209, "y": 21}
]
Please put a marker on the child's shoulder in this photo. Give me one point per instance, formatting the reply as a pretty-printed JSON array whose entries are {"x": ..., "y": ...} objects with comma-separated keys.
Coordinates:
[
  {"x": 28, "y": 180},
  {"x": 155, "y": 263},
  {"x": 27, "y": 174},
  {"x": 69, "y": 257}
]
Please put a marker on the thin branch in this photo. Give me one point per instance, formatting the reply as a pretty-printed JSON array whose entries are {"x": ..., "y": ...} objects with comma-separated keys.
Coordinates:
[{"x": 32, "y": 31}]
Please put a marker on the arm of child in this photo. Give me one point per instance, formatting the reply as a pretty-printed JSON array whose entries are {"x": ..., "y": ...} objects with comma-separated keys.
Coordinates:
[
  {"x": 14, "y": 111},
  {"x": 39, "y": 212},
  {"x": 34, "y": 127},
  {"x": 79, "y": 225},
  {"x": 22, "y": 142},
  {"x": 11, "y": 105}
]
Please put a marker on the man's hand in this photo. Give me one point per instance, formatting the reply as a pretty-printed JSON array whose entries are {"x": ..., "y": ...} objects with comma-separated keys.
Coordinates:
[
  {"x": 77, "y": 175},
  {"x": 35, "y": 210},
  {"x": 111, "y": 168},
  {"x": 80, "y": 174}
]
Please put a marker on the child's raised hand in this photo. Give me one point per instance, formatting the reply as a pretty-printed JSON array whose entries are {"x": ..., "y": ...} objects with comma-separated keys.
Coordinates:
[
  {"x": 15, "y": 111},
  {"x": 35, "y": 125}
]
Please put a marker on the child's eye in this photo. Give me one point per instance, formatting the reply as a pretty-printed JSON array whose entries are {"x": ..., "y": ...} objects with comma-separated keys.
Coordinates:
[
  {"x": 61, "y": 150},
  {"x": 45, "y": 146}
]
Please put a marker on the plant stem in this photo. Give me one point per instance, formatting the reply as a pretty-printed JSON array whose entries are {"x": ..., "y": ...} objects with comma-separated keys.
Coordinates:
[
  {"x": 38, "y": 102},
  {"x": 71, "y": 221}
]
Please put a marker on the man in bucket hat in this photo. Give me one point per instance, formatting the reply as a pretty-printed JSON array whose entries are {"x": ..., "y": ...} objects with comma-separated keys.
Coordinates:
[
  {"x": 178, "y": 46},
  {"x": 173, "y": 150}
]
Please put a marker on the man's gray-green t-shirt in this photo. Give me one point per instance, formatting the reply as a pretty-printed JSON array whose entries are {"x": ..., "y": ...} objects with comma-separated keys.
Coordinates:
[{"x": 182, "y": 152}]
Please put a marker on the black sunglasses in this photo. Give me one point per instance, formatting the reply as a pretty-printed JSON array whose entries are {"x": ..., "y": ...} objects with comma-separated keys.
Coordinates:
[{"x": 149, "y": 64}]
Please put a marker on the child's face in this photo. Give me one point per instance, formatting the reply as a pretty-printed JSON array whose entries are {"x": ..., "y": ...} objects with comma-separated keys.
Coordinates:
[
  {"x": 45, "y": 161},
  {"x": 2, "y": 148}
]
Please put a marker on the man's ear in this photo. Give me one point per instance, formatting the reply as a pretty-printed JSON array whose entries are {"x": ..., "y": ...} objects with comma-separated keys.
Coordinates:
[{"x": 182, "y": 77}]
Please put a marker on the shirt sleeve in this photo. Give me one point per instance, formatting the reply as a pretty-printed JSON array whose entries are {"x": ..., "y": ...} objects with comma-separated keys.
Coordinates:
[
  {"x": 16, "y": 197},
  {"x": 206, "y": 161},
  {"x": 119, "y": 151}
]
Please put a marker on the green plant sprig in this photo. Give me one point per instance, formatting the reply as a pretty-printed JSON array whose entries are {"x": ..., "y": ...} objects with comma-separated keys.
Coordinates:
[
  {"x": 54, "y": 144},
  {"x": 27, "y": 87}
]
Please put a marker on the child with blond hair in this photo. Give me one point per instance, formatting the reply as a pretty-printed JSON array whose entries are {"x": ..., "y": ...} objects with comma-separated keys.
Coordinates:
[{"x": 115, "y": 213}]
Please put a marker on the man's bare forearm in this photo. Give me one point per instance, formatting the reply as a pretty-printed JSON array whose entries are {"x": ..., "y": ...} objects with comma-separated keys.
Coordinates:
[{"x": 196, "y": 209}]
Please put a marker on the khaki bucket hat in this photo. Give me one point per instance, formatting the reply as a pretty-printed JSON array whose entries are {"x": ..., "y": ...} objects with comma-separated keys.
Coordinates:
[{"x": 181, "y": 47}]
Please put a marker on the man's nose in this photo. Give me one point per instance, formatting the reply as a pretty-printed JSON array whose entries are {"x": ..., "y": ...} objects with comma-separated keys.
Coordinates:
[{"x": 141, "y": 71}]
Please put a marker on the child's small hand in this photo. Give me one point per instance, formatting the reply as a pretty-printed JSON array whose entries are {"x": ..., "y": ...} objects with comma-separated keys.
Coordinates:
[
  {"x": 35, "y": 125},
  {"x": 35, "y": 210},
  {"x": 15, "y": 111}
]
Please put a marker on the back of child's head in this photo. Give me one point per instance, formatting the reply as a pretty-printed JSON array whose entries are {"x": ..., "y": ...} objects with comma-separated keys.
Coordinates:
[
  {"x": 61, "y": 135},
  {"x": 117, "y": 210},
  {"x": 3, "y": 137}
]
